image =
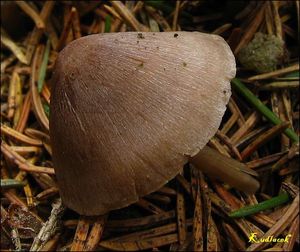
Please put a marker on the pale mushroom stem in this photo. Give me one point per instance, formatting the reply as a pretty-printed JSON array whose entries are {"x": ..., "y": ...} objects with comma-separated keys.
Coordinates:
[{"x": 226, "y": 169}]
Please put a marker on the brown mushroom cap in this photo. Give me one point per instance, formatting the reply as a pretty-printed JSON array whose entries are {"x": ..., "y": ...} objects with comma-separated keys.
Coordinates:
[{"x": 127, "y": 109}]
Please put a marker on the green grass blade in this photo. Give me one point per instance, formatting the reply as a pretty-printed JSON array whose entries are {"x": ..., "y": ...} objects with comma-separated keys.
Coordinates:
[
  {"x": 267, "y": 204},
  {"x": 107, "y": 23},
  {"x": 43, "y": 69},
  {"x": 263, "y": 109},
  {"x": 11, "y": 183}
]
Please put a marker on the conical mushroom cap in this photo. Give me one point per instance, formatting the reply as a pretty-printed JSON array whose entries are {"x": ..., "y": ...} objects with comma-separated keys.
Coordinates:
[{"x": 127, "y": 109}]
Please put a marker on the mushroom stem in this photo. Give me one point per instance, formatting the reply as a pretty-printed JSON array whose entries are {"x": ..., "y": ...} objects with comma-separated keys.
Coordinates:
[{"x": 225, "y": 169}]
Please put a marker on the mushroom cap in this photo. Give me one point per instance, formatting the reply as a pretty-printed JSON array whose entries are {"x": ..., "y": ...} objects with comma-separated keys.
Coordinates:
[{"x": 128, "y": 109}]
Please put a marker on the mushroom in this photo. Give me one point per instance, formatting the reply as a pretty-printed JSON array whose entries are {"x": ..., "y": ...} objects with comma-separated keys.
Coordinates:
[{"x": 128, "y": 110}]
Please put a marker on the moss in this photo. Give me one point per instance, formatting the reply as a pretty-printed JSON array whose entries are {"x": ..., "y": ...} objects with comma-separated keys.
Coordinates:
[{"x": 263, "y": 53}]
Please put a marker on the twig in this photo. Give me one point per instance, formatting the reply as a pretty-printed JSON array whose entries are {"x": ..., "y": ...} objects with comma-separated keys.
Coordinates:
[
  {"x": 21, "y": 162},
  {"x": 245, "y": 92},
  {"x": 264, "y": 138},
  {"x": 66, "y": 30},
  {"x": 128, "y": 16},
  {"x": 31, "y": 13},
  {"x": 50, "y": 227},
  {"x": 80, "y": 234},
  {"x": 175, "y": 17},
  {"x": 95, "y": 234},
  {"x": 197, "y": 222},
  {"x": 19, "y": 136},
  {"x": 280, "y": 226},
  {"x": 11, "y": 45},
  {"x": 276, "y": 73},
  {"x": 15, "y": 237},
  {"x": 181, "y": 219},
  {"x": 149, "y": 206}
]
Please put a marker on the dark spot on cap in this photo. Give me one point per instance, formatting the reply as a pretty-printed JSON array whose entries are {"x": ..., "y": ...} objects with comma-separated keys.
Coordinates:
[
  {"x": 184, "y": 64},
  {"x": 140, "y": 36},
  {"x": 72, "y": 76},
  {"x": 175, "y": 35}
]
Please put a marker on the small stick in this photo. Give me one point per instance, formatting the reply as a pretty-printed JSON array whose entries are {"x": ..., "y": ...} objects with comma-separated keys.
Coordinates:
[
  {"x": 229, "y": 123},
  {"x": 234, "y": 237},
  {"x": 29, "y": 195},
  {"x": 159, "y": 198},
  {"x": 235, "y": 109},
  {"x": 263, "y": 109},
  {"x": 275, "y": 73},
  {"x": 140, "y": 244},
  {"x": 76, "y": 24},
  {"x": 184, "y": 183},
  {"x": 212, "y": 236},
  {"x": 46, "y": 94},
  {"x": 251, "y": 136},
  {"x": 252, "y": 28},
  {"x": 15, "y": 237},
  {"x": 32, "y": 14},
  {"x": 167, "y": 190},
  {"x": 142, "y": 221},
  {"x": 19, "y": 136},
  {"x": 223, "y": 28},
  {"x": 158, "y": 18},
  {"x": 11, "y": 45},
  {"x": 47, "y": 193},
  {"x": 37, "y": 33},
  {"x": 247, "y": 127},
  {"x": 37, "y": 134},
  {"x": 66, "y": 30},
  {"x": 175, "y": 17},
  {"x": 149, "y": 233},
  {"x": 294, "y": 232},
  {"x": 95, "y": 234},
  {"x": 6, "y": 63},
  {"x": 80, "y": 234},
  {"x": 197, "y": 222},
  {"x": 22, "y": 163},
  {"x": 280, "y": 85},
  {"x": 265, "y": 160},
  {"x": 229, "y": 144},
  {"x": 128, "y": 16},
  {"x": 277, "y": 20},
  {"x": 280, "y": 226},
  {"x": 18, "y": 100},
  {"x": 50, "y": 227},
  {"x": 181, "y": 219},
  {"x": 11, "y": 100},
  {"x": 14, "y": 199},
  {"x": 264, "y": 138},
  {"x": 112, "y": 11},
  {"x": 149, "y": 206}
]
